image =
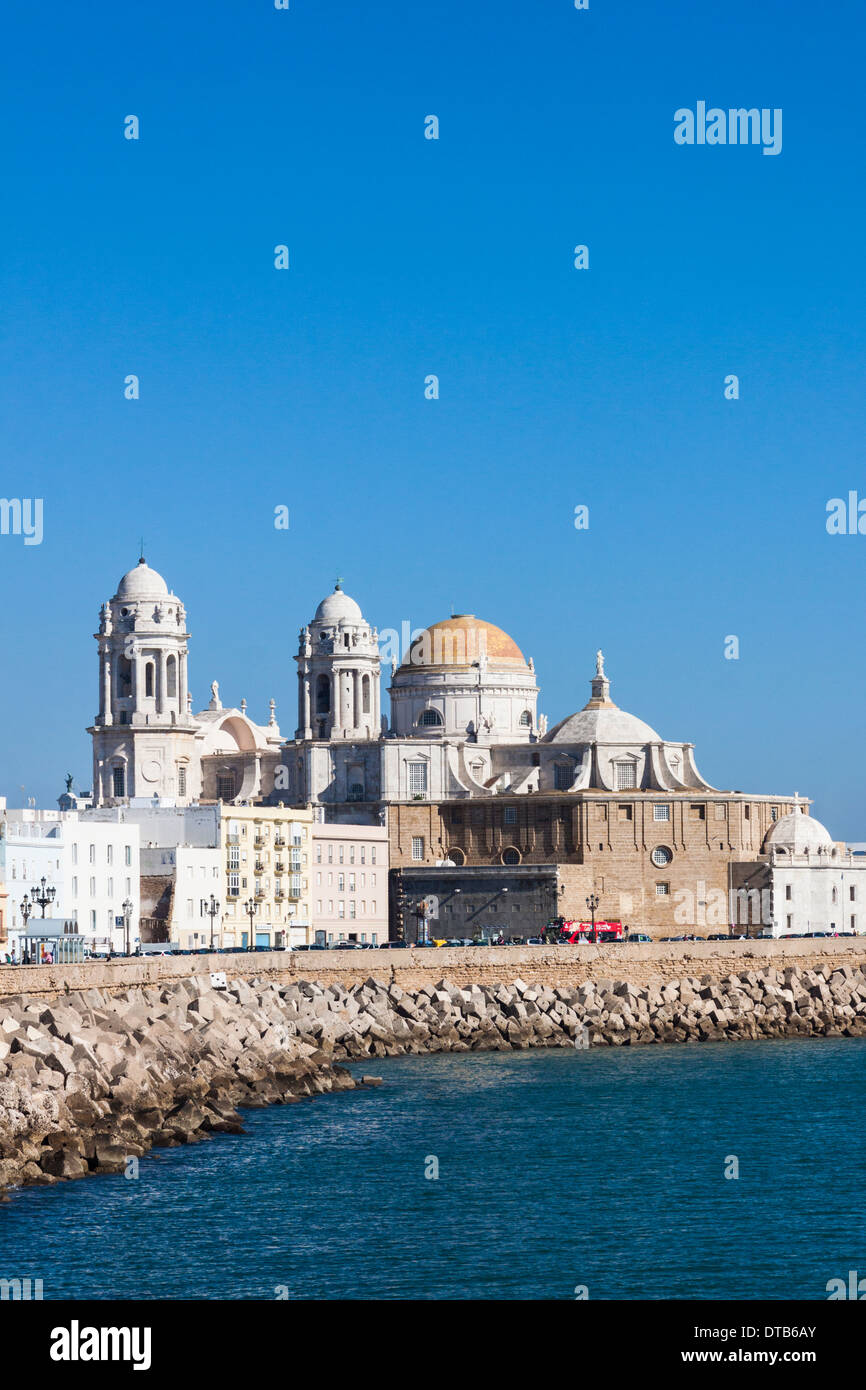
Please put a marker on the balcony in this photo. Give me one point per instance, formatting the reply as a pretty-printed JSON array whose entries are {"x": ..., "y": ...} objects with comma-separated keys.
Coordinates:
[
  {"x": 280, "y": 842},
  {"x": 279, "y": 867},
  {"x": 260, "y": 866},
  {"x": 233, "y": 839},
  {"x": 279, "y": 893},
  {"x": 259, "y": 841}
]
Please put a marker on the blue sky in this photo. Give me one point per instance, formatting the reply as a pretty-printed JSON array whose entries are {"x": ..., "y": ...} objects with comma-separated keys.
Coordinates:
[{"x": 408, "y": 257}]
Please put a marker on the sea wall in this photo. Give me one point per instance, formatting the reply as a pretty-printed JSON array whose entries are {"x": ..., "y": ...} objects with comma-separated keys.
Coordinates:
[
  {"x": 411, "y": 969},
  {"x": 93, "y": 1079}
]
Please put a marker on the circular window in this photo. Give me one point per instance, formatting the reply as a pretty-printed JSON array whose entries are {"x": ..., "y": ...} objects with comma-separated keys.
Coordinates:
[
  {"x": 511, "y": 856},
  {"x": 456, "y": 856},
  {"x": 661, "y": 855}
]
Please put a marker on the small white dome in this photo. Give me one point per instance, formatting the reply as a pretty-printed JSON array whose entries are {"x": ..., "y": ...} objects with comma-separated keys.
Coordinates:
[
  {"x": 798, "y": 833},
  {"x": 611, "y": 725},
  {"x": 142, "y": 582},
  {"x": 338, "y": 606}
]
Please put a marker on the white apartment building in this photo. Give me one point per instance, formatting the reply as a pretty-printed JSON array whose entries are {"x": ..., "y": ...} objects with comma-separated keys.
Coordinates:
[
  {"x": 93, "y": 868},
  {"x": 349, "y": 888}
]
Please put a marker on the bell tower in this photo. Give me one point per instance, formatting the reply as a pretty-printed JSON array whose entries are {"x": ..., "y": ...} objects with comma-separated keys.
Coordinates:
[
  {"x": 144, "y": 733},
  {"x": 339, "y": 687}
]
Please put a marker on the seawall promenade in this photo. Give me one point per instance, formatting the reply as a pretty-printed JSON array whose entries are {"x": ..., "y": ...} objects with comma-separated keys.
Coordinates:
[{"x": 411, "y": 969}]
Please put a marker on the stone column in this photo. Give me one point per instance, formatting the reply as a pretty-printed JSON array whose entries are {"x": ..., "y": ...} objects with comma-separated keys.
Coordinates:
[
  {"x": 161, "y": 676},
  {"x": 105, "y": 698},
  {"x": 356, "y": 695}
]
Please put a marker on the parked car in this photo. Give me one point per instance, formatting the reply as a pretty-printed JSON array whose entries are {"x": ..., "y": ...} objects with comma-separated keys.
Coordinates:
[
  {"x": 394, "y": 946},
  {"x": 638, "y": 936}
]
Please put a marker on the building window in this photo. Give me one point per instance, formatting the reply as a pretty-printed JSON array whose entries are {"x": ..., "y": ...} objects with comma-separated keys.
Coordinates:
[
  {"x": 118, "y": 778},
  {"x": 661, "y": 856},
  {"x": 774, "y": 813},
  {"x": 852, "y": 893},
  {"x": 788, "y": 892},
  {"x": 511, "y": 856},
  {"x": 509, "y": 815},
  {"x": 833, "y": 895},
  {"x": 417, "y": 847},
  {"x": 417, "y": 779},
  {"x": 226, "y": 786},
  {"x": 563, "y": 777},
  {"x": 661, "y": 812},
  {"x": 525, "y": 720},
  {"x": 625, "y": 812},
  {"x": 330, "y": 854},
  {"x": 323, "y": 695},
  {"x": 430, "y": 719},
  {"x": 181, "y": 781},
  {"x": 148, "y": 679},
  {"x": 721, "y": 810},
  {"x": 372, "y": 854},
  {"x": 109, "y": 854},
  {"x": 363, "y": 854},
  {"x": 92, "y": 855},
  {"x": 356, "y": 791},
  {"x": 790, "y": 921},
  {"x": 171, "y": 678},
  {"x": 341, "y": 883},
  {"x": 663, "y": 890},
  {"x": 127, "y": 854},
  {"x": 352, "y": 909},
  {"x": 341, "y": 909},
  {"x": 340, "y": 855},
  {"x": 698, "y": 812},
  {"x": 626, "y": 776}
]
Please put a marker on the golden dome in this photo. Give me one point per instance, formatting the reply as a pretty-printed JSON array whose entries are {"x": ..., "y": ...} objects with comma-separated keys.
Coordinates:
[{"x": 462, "y": 641}]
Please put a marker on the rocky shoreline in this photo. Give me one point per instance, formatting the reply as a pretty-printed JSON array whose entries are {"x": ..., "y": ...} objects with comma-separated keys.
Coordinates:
[{"x": 91, "y": 1080}]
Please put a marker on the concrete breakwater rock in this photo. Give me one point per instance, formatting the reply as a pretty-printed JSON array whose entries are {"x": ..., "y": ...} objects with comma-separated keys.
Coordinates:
[{"x": 90, "y": 1080}]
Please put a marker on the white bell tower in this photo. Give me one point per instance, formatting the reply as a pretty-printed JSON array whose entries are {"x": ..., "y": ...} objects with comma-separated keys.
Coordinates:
[
  {"x": 339, "y": 685},
  {"x": 144, "y": 733}
]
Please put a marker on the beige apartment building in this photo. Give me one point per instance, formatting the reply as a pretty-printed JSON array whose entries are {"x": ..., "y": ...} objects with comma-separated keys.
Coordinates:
[
  {"x": 267, "y": 875},
  {"x": 349, "y": 886}
]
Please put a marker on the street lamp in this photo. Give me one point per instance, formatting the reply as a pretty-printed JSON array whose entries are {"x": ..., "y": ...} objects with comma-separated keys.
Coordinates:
[
  {"x": 251, "y": 907},
  {"x": 43, "y": 897},
  {"x": 126, "y": 909},
  {"x": 592, "y": 904},
  {"x": 211, "y": 910}
]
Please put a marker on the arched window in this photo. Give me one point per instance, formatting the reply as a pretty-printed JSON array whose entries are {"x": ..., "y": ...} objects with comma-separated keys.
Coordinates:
[
  {"x": 456, "y": 856},
  {"x": 148, "y": 679},
  {"x": 525, "y": 720},
  {"x": 365, "y": 695},
  {"x": 171, "y": 678},
  {"x": 323, "y": 695},
  {"x": 124, "y": 677},
  {"x": 430, "y": 719},
  {"x": 511, "y": 856}
]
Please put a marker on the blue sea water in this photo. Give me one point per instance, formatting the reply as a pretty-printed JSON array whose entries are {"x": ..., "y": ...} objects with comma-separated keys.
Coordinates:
[{"x": 556, "y": 1169}]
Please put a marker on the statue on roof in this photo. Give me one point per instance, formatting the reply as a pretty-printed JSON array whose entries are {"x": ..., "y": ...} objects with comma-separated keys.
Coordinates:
[{"x": 599, "y": 662}]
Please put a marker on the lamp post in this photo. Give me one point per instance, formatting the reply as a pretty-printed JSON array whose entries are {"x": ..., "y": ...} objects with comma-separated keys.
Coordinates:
[
  {"x": 211, "y": 910},
  {"x": 26, "y": 913},
  {"x": 126, "y": 909},
  {"x": 251, "y": 907},
  {"x": 592, "y": 904},
  {"x": 42, "y": 895}
]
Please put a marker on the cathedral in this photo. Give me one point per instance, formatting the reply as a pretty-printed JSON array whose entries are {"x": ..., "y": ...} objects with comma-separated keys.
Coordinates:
[{"x": 464, "y": 720}]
